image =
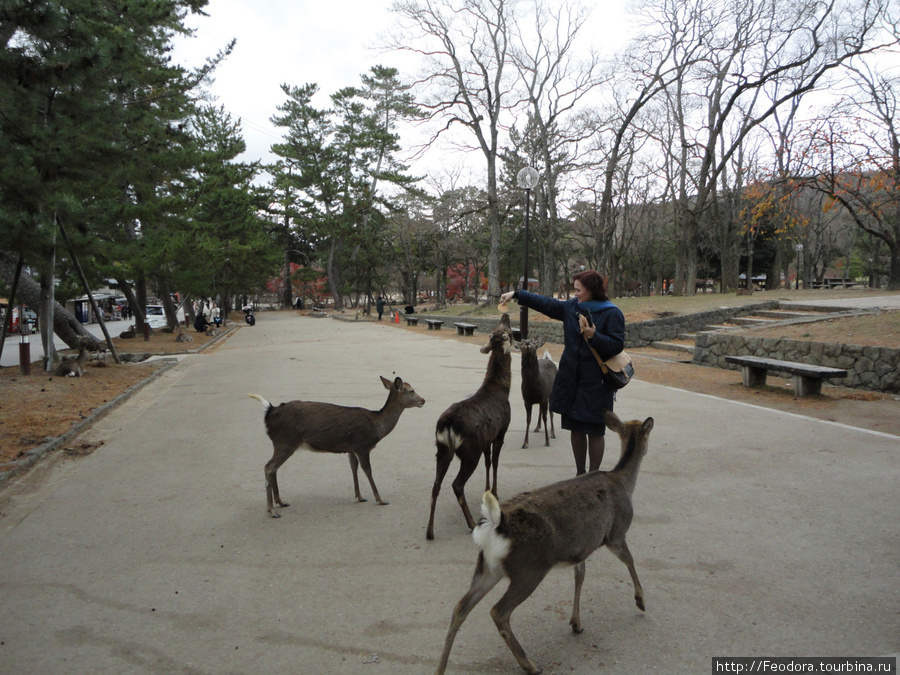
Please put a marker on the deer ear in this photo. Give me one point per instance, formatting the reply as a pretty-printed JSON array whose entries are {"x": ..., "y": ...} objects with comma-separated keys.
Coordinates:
[
  {"x": 386, "y": 382},
  {"x": 398, "y": 384},
  {"x": 505, "y": 320},
  {"x": 648, "y": 425}
]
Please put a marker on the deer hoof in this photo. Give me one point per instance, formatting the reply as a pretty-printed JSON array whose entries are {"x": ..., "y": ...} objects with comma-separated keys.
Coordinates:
[
  {"x": 276, "y": 515},
  {"x": 381, "y": 502},
  {"x": 577, "y": 627}
]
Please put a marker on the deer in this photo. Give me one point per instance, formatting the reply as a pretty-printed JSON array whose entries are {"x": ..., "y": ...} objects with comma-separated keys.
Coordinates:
[
  {"x": 537, "y": 384},
  {"x": 326, "y": 427},
  {"x": 476, "y": 426},
  {"x": 558, "y": 524},
  {"x": 74, "y": 366}
]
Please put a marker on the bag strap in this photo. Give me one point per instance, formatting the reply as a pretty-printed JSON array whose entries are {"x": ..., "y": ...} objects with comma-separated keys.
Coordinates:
[{"x": 603, "y": 366}]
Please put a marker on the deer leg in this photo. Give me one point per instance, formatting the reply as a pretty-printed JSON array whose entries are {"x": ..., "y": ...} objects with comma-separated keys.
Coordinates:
[
  {"x": 576, "y": 604},
  {"x": 552, "y": 429},
  {"x": 495, "y": 460},
  {"x": 367, "y": 468},
  {"x": 354, "y": 467},
  {"x": 622, "y": 553},
  {"x": 519, "y": 590},
  {"x": 482, "y": 582},
  {"x": 543, "y": 417},
  {"x": 528, "y": 407},
  {"x": 459, "y": 483},
  {"x": 444, "y": 457},
  {"x": 279, "y": 458}
]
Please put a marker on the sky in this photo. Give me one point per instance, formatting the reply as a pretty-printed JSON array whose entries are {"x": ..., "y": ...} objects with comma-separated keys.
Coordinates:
[
  {"x": 331, "y": 43},
  {"x": 284, "y": 42}
]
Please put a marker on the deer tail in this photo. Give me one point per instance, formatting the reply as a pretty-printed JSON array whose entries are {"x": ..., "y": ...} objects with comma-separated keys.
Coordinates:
[
  {"x": 493, "y": 544},
  {"x": 265, "y": 404}
]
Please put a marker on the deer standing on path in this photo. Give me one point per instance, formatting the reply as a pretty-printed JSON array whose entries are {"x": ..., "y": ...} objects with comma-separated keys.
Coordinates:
[
  {"x": 325, "y": 427},
  {"x": 538, "y": 376},
  {"x": 559, "y": 524},
  {"x": 476, "y": 426}
]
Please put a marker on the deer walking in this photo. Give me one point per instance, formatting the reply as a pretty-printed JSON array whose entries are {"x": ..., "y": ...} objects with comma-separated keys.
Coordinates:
[
  {"x": 476, "y": 426},
  {"x": 559, "y": 524},
  {"x": 325, "y": 427},
  {"x": 537, "y": 385}
]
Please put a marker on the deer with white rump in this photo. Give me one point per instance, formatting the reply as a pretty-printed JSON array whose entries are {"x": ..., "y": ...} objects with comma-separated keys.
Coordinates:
[
  {"x": 476, "y": 426},
  {"x": 559, "y": 524},
  {"x": 538, "y": 376},
  {"x": 325, "y": 427}
]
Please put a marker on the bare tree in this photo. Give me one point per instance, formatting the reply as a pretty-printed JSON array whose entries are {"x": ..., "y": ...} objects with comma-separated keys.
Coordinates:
[
  {"x": 555, "y": 80},
  {"x": 466, "y": 81},
  {"x": 853, "y": 157},
  {"x": 755, "y": 46}
]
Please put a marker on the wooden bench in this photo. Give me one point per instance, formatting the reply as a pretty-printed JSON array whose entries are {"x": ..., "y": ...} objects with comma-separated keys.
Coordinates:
[
  {"x": 434, "y": 324},
  {"x": 807, "y": 379},
  {"x": 465, "y": 328},
  {"x": 412, "y": 321}
]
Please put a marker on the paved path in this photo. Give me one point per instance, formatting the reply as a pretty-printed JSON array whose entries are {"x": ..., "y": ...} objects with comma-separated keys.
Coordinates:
[{"x": 756, "y": 532}]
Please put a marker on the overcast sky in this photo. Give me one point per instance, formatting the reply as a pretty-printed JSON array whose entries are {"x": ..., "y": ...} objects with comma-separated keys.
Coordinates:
[
  {"x": 284, "y": 41},
  {"x": 330, "y": 43}
]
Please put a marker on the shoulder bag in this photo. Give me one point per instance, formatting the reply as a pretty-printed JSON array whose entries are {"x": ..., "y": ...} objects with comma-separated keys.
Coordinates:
[{"x": 617, "y": 370}]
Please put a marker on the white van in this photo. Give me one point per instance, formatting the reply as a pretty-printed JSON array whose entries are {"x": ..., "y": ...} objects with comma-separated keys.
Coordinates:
[{"x": 156, "y": 316}]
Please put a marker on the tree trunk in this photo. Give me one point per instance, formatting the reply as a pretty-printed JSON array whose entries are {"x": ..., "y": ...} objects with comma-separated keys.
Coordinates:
[
  {"x": 334, "y": 277},
  {"x": 66, "y": 326}
]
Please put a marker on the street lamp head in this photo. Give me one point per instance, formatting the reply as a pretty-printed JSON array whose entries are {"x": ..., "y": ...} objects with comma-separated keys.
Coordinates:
[{"x": 527, "y": 178}]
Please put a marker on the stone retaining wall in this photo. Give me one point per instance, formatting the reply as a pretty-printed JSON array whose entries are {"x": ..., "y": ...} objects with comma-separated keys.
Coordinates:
[{"x": 872, "y": 368}]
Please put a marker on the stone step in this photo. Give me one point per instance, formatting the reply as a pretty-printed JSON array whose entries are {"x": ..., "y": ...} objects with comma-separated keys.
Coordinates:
[
  {"x": 717, "y": 326},
  {"x": 687, "y": 336},
  {"x": 673, "y": 347},
  {"x": 750, "y": 321},
  {"x": 784, "y": 314}
]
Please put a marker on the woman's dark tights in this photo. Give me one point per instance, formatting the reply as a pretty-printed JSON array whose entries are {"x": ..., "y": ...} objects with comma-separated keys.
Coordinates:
[{"x": 584, "y": 446}]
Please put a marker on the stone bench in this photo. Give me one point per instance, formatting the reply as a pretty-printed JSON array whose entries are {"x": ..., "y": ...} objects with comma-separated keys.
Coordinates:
[
  {"x": 465, "y": 328},
  {"x": 807, "y": 379},
  {"x": 434, "y": 324},
  {"x": 412, "y": 321}
]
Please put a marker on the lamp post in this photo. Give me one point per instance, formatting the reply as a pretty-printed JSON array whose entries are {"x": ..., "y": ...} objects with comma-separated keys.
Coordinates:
[
  {"x": 799, "y": 249},
  {"x": 526, "y": 179}
]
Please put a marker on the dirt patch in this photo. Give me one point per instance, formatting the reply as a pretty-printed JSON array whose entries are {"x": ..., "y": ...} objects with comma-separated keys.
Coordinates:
[
  {"x": 877, "y": 329},
  {"x": 42, "y": 406}
]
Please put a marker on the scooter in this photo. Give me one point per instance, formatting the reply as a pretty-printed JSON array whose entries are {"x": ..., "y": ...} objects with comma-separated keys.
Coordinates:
[{"x": 248, "y": 315}]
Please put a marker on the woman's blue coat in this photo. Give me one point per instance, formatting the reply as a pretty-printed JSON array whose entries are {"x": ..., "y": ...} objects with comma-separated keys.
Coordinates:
[{"x": 579, "y": 390}]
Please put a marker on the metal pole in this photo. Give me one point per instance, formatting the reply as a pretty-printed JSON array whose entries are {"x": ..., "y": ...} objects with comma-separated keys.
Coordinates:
[{"x": 523, "y": 311}]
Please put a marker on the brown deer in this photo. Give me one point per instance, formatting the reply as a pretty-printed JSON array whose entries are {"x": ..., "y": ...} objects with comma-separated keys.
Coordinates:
[
  {"x": 325, "y": 427},
  {"x": 537, "y": 384},
  {"x": 559, "y": 524},
  {"x": 73, "y": 366},
  {"x": 476, "y": 426}
]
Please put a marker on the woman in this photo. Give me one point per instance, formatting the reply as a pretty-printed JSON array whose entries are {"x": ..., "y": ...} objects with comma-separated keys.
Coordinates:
[{"x": 580, "y": 394}]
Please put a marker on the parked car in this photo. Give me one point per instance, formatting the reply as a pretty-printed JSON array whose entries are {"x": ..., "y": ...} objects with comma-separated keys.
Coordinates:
[{"x": 156, "y": 316}]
